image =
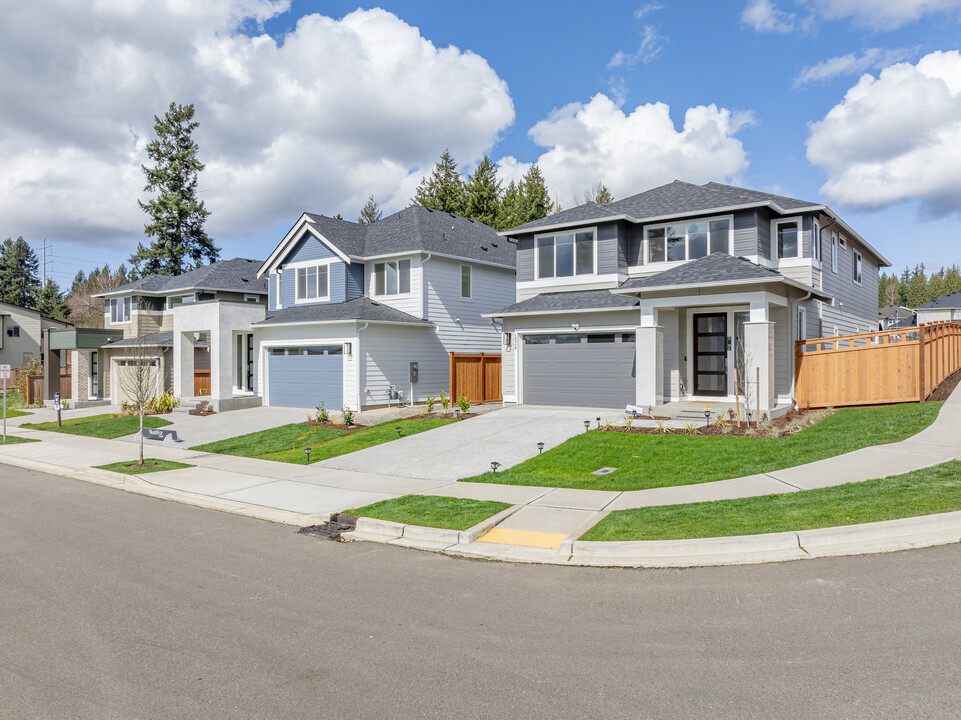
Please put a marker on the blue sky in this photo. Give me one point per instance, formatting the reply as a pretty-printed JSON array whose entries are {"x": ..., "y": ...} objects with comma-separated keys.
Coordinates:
[{"x": 309, "y": 122}]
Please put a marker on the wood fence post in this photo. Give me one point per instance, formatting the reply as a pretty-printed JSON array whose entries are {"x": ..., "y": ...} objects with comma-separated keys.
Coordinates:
[
  {"x": 921, "y": 360},
  {"x": 453, "y": 378}
]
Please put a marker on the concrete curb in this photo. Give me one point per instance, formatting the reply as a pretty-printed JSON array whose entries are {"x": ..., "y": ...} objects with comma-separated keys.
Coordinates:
[{"x": 421, "y": 536}]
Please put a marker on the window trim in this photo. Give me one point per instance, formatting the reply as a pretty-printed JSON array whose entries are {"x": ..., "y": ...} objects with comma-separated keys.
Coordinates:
[
  {"x": 800, "y": 242},
  {"x": 554, "y": 278},
  {"x": 470, "y": 282},
  {"x": 410, "y": 277},
  {"x": 326, "y": 263},
  {"x": 857, "y": 268},
  {"x": 834, "y": 252},
  {"x": 801, "y": 328},
  {"x": 127, "y": 303},
  {"x": 646, "y": 249},
  {"x": 816, "y": 239}
]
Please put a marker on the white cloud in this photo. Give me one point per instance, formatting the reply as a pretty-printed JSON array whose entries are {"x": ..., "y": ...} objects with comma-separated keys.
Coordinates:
[
  {"x": 762, "y": 16},
  {"x": 652, "y": 45},
  {"x": 646, "y": 9},
  {"x": 896, "y": 138},
  {"x": 884, "y": 14},
  {"x": 851, "y": 64},
  {"x": 332, "y": 112},
  {"x": 632, "y": 152}
]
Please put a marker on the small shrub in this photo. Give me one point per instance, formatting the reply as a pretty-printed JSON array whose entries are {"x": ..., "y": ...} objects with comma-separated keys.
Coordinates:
[
  {"x": 322, "y": 414},
  {"x": 726, "y": 429},
  {"x": 163, "y": 404},
  {"x": 124, "y": 407},
  {"x": 721, "y": 422},
  {"x": 690, "y": 428},
  {"x": 430, "y": 403},
  {"x": 464, "y": 404},
  {"x": 444, "y": 400},
  {"x": 628, "y": 421},
  {"x": 664, "y": 428},
  {"x": 347, "y": 415}
]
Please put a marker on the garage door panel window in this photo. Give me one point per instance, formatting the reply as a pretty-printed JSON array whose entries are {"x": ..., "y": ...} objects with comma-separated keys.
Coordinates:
[
  {"x": 565, "y": 255},
  {"x": 313, "y": 283}
]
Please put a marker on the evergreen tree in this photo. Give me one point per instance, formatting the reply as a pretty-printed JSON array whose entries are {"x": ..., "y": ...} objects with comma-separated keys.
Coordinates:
[
  {"x": 483, "y": 193},
  {"x": 917, "y": 288},
  {"x": 177, "y": 216},
  {"x": 935, "y": 286},
  {"x": 50, "y": 301},
  {"x": 19, "y": 281},
  {"x": 444, "y": 189},
  {"x": 535, "y": 201},
  {"x": 597, "y": 193},
  {"x": 952, "y": 279},
  {"x": 370, "y": 213},
  {"x": 77, "y": 279},
  {"x": 509, "y": 212}
]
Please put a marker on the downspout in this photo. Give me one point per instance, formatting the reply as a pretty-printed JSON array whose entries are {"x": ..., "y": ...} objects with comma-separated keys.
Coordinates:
[
  {"x": 423, "y": 283},
  {"x": 361, "y": 391}
]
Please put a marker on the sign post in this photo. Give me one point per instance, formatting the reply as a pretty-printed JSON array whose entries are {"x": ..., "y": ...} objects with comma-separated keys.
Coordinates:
[
  {"x": 5, "y": 374},
  {"x": 56, "y": 405}
]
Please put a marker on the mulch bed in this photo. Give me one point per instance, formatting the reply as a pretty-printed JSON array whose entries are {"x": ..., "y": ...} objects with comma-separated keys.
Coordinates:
[
  {"x": 332, "y": 424},
  {"x": 942, "y": 391},
  {"x": 440, "y": 416},
  {"x": 781, "y": 427}
]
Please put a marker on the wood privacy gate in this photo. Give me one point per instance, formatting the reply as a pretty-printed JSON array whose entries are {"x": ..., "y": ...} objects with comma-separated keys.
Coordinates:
[
  {"x": 888, "y": 366},
  {"x": 476, "y": 377}
]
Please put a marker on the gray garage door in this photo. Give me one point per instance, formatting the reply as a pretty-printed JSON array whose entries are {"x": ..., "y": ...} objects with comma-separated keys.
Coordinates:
[
  {"x": 306, "y": 376},
  {"x": 587, "y": 369}
]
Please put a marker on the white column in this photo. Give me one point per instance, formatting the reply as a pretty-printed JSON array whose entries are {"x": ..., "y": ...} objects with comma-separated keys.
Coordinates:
[
  {"x": 183, "y": 359},
  {"x": 650, "y": 365},
  {"x": 759, "y": 354}
]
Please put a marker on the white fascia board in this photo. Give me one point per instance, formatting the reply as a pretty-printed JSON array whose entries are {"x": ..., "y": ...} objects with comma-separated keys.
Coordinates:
[
  {"x": 570, "y": 223},
  {"x": 884, "y": 262},
  {"x": 284, "y": 245},
  {"x": 559, "y": 312},
  {"x": 341, "y": 322}
]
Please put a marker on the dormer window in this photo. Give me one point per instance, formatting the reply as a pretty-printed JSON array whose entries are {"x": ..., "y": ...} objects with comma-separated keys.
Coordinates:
[
  {"x": 392, "y": 277},
  {"x": 688, "y": 241},
  {"x": 566, "y": 255},
  {"x": 313, "y": 283}
]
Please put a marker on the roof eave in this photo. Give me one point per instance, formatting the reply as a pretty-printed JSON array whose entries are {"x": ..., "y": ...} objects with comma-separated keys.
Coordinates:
[
  {"x": 726, "y": 283},
  {"x": 264, "y": 323},
  {"x": 557, "y": 312}
]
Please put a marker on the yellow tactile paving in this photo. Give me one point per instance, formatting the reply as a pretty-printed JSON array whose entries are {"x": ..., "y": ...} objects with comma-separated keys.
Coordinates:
[{"x": 524, "y": 538}]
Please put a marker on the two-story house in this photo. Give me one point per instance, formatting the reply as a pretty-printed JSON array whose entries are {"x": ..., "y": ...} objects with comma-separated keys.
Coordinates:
[
  {"x": 195, "y": 329},
  {"x": 670, "y": 294},
  {"x": 366, "y": 315},
  {"x": 21, "y": 334}
]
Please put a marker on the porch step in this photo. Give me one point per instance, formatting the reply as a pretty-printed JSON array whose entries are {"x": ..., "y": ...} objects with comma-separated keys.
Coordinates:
[{"x": 188, "y": 404}]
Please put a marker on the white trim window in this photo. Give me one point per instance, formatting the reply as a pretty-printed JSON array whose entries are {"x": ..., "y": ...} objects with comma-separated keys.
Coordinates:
[
  {"x": 787, "y": 237},
  {"x": 566, "y": 254},
  {"x": 834, "y": 252},
  {"x": 392, "y": 277},
  {"x": 313, "y": 283},
  {"x": 676, "y": 242},
  {"x": 801, "y": 330},
  {"x": 465, "y": 282},
  {"x": 816, "y": 240},
  {"x": 857, "y": 268},
  {"x": 119, "y": 310}
]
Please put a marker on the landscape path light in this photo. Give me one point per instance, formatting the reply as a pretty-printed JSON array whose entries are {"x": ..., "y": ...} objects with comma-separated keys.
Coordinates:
[
  {"x": 495, "y": 465},
  {"x": 707, "y": 416},
  {"x": 540, "y": 448},
  {"x": 587, "y": 425},
  {"x": 307, "y": 450},
  {"x": 398, "y": 429}
]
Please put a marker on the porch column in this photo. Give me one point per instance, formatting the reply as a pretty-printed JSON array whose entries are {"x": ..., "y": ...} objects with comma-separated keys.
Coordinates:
[
  {"x": 183, "y": 360},
  {"x": 650, "y": 365},
  {"x": 759, "y": 354}
]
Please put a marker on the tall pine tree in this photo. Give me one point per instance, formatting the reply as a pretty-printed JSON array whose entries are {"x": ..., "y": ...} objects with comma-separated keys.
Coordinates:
[
  {"x": 19, "y": 281},
  {"x": 535, "y": 201},
  {"x": 509, "y": 213},
  {"x": 483, "y": 193},
  {"x": 444, "y": 189},
  {"x": 177, "y": 217},
  {"x": 370, "y": 213},
  {"x": 50, "y": 301}
]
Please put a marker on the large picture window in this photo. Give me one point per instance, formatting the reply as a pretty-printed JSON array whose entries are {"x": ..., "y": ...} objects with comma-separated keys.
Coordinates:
[
  {"x": 392, "y": 277},
  {"x": 565, "y": 255},
  {"x": 312, "y": 283},
  {"x": 688, "y": 241}
]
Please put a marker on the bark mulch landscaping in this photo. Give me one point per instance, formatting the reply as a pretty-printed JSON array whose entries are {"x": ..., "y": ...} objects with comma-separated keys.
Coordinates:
[
  {"x": 335, "y": 425},
  {"x": 944, "y": 390},
  {"x": 441, "y": 416},
  {"x": 781, "y": 427}
]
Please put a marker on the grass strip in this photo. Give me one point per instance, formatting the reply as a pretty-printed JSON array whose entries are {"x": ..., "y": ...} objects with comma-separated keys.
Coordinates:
[
  {"x": 128, "y": 467},
  {"x": 100, "y": 426},
  {"x": 11, "y": 413},
  {"x": 650, "y": 461},
  {"x": 287, "y": 443},
  {"x": 14, "y": 440},
  {"x": 927, "y": 491},
  {"x": 432, "y": 511}
]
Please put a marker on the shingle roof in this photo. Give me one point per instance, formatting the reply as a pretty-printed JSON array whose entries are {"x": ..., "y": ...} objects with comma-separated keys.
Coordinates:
[
  {"x": 951, "y": 300},
  {"x": 672, "y": 199},
  {"x": 575, "y": 300},
  {"x": 160, "y": 339},
  {"x": 363, "y": 309},
  {"x": 417, "y": 228},
  {"x": 235, "y": 275},
  {"x": 713, "y": 269}
]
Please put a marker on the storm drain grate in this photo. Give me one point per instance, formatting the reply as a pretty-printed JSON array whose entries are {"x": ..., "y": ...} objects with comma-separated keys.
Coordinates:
[
  {"x": 331, "y": 530},
  {"x": 604, "y": 471}
]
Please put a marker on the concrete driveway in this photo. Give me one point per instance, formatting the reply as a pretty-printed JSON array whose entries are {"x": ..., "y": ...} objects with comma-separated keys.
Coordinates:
[{"x": 462, "y": 449}]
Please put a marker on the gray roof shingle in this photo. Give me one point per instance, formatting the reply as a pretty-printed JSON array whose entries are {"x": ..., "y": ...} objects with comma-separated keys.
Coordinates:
[
  {"x": 717, "y": 268},
  {"x": 235, "y": 275},
  {"x": 160, "y": 339},
  {"x": 363, "y": 309},
  {"x": 951, "y": 300},
  {"x": 575, "y": 300}
]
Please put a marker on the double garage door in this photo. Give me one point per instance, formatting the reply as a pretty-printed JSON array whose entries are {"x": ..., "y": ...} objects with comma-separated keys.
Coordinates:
[
  {"x": 306, "y": 376},
  {"x": 583, "y": 369}
]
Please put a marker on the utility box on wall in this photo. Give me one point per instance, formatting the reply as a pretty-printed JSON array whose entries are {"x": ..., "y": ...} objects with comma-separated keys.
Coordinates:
[{"x": 413, "y": 372}]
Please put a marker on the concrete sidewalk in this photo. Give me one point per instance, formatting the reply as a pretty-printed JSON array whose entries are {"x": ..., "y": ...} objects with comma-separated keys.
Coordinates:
[{"x": 544, "y": 523}]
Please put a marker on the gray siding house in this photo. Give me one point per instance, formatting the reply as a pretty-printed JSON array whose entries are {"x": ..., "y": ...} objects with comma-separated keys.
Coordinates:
[
  {"x": 21, "y": 334},
  {"x": 659, "y": 297},
  {"x": 352, "y": 306}
]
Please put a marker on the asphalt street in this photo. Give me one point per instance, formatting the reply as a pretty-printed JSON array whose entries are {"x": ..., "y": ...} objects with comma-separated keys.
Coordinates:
[{"x": 114, "y": 605}]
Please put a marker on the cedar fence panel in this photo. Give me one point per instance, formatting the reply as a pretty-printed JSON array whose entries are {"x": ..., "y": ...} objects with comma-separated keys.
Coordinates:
[
  {"x": 888, "y": 366},
  {"x": 476, "y": 377}
]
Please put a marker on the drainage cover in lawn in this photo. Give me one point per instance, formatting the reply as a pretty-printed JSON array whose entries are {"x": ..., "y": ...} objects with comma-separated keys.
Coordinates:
[{"x": 604, "y": 471}]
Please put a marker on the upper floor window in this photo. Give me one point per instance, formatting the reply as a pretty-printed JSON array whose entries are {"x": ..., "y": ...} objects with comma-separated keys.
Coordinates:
[
  {"x": 13, "y": 331},
  {"x": 312, "y": 283},
  {"x": 565, "y": 255},
  {"x": 857, "y": 267},
  {"x": 688, "y": 241},
  {"x": 392, "y": 277},
  {"x": 119, "y": 309},
  {"x": 788, "y": 235},
  {"x": 465, "y": 287},
  {"x": 175, "y": 300},
  {"x": 834, "y": 252},
  {"x": 816, "y": 240}
]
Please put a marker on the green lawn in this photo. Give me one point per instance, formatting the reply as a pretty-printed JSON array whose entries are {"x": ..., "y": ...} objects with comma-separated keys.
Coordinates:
[
  {"x": 100, "y": 426},
  {"x": 13, "y": 440},
  {"x": 11, "y": 413},
  {"x": 14, "y": 403},
  {"x": 649, "y": 461},
  {"x": 432, "y": 511},
  {"x": 287, "y": 443},
  {"x": 922, "y": 492},
  {"x": 128, "y": 467}
]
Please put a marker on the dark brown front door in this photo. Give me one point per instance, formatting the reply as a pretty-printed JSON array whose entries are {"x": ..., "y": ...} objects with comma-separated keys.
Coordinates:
[{"x": 710, "y": 354}]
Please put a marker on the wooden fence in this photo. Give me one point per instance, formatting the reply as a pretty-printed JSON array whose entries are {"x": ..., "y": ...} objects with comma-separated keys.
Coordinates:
[
  {"x": 201, "y": 382},
  {"x": 887, "y": 366},
  {"x": 34, "y": 386},
  {"x": 476, "y": 377}
]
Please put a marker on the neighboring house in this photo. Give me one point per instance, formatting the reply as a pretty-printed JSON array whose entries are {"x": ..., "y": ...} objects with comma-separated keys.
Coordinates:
[
  {"x": 21, "y": 334},
  {"x": 947, "y": 307},
  {"x": 659, "y": 297},
  {"x": 894, "y": 317},
  {"x": 353, "y": 306},
  {"x": 195, "y": 328}
]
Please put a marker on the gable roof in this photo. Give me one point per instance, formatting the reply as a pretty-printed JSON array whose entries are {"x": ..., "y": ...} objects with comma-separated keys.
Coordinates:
[
  {"x": 949, "y": 301},
  {"x": 361, "y": 309},
  {"x": 714, "y": 270},
  {"x": 413, "y": 229},
  {"x": 30, "y": 311},
  {"x": 235, "y": 275},
  {"x": 677, "y": 199}
]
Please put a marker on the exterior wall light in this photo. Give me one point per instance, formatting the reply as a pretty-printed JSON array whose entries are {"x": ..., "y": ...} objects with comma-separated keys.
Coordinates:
[{"x": 348, "y": 349}]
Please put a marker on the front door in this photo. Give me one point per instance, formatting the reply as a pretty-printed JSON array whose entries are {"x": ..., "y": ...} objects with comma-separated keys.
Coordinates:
[{"x": 710, "y": 354}]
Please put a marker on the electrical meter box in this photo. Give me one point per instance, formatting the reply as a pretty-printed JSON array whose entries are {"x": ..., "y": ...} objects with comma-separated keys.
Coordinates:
[{"x": 413, "y": 372}]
